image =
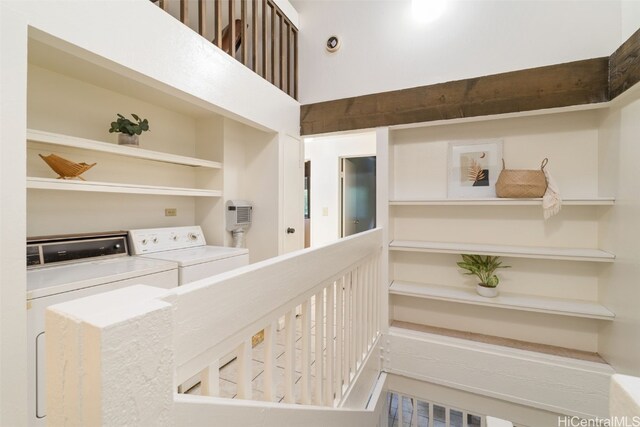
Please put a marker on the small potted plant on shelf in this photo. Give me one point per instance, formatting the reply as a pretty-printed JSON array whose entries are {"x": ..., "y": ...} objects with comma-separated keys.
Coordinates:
[
  {"x": 484, "y": 268},
  {"x": 129, "y": 131}
]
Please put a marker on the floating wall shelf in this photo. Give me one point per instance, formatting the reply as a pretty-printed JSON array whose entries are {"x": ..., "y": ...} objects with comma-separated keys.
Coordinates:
[
  {"x": 121, "y": 150},
  {"x": 566, "y": 254},
  {"x": 596, "y": 201},
  {"x": 111, "y": 187},
  {"x": 563, "y": 307}
]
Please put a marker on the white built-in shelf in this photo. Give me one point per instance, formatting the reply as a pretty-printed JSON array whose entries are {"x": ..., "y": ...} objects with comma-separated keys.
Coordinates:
[
  {"x": 564, "y": 307},
  {"x": 566, "y": 254},
  {"x": 111, "y": 187},
  {"x": 594, "y": 201},
  {"x": 121, "y": 150}
]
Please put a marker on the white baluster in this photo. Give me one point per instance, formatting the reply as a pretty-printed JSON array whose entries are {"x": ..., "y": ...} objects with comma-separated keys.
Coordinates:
[
  {"x": 370, "y": 296},
  {"x": 348, "y": 331},
  {"x": 355, "y": 314},
  {"x": 400, "y": 410},
  {"x": 339, "y": 335},
  {"x": 270, "y": 362},
  {"x": 244, "y": 369},
  {"x": 369, "y": 304},
  {"x": 210, "y": 379},
  {"x": 377, "y": 284},
  {"x": 371, "y": 291},
  {"x": 359, "y": 309},
  {"x": 414, "y": 414},
  {"x": 290, "y": 356},
  {"x": 306, "y": 352},
  {"x": 319, "y": 316},
  {"x": 329, "y": 325},
  {"x": 365, "y": 306}
]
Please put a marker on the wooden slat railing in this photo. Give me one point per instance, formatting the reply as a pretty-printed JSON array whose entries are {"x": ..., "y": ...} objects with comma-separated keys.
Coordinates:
[
  {"x": 266, "y": 41},
  {"x": 325, "y": 345},
  {"x": 144, "y": 341}
]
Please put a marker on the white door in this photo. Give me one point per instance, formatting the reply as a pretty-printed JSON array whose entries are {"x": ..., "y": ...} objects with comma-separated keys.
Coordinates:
[{"x": 293, "y": 194}]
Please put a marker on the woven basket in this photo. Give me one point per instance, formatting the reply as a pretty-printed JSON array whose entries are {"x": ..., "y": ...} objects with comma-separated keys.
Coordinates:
[
  {"x": 66, "y": 168},
  {"x": 522, "y": 183}
]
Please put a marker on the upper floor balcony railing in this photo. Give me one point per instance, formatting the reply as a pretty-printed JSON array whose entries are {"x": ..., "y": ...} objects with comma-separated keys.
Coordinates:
[{"x": 262, "y": 37}]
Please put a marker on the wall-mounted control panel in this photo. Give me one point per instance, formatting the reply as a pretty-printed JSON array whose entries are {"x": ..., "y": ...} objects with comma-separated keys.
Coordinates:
[
  {"x": 61, "y": 249},
  {"x": 150, "y": 240}
]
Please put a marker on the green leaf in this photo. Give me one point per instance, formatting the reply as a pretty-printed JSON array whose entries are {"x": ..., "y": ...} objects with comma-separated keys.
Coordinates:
[
  {"x": 492, "y": 281},
  {"x": 124, "y": 125},
  {"x": 483, "y": 267}
]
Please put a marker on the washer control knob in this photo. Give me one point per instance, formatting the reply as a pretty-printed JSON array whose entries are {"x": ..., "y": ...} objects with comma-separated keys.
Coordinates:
[
  {"x": 144, "y": 241},
  {"x": 117, "y": 246},
  {"x": 174, "y": 237},
  {"x": 193, "y": 236},
  {"x": 155, "y": 240}
]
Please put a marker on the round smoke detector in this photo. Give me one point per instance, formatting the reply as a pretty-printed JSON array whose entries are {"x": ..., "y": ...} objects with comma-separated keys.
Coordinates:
[{"x": 333, "y": 44}]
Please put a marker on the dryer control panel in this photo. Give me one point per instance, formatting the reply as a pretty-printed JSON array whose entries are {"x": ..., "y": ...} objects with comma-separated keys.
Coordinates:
[
  {"x": 68, "y": 248},
  {"x": 151, "y": 240}
]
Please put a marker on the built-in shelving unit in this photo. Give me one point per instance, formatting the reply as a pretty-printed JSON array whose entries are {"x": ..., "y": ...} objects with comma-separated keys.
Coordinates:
[
  {"x": 512, "y": 301},
  {"x": 561, "y": 259},
  {"x": 111, "y": 187},
  {"x": 566, "y": 254},
  {"x": 121, "y": 150},
  {"x": 175, "y": 178},
  {"x": 595, "y": 201}
]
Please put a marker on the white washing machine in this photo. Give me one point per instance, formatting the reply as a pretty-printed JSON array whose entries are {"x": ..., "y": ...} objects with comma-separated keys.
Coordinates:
[
  {"x": 62, "y": 268},
  {"x": 187, "y": 247}
]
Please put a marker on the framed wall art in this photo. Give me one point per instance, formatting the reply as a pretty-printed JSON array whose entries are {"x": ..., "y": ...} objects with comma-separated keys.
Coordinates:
[{"x": 473, "y": 168}]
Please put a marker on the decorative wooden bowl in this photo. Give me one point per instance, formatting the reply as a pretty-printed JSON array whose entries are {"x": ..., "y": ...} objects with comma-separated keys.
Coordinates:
[{"x": 66, "y": 169}]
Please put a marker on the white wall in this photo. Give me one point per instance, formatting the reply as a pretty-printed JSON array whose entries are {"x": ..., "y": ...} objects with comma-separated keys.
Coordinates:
[
  {"x": 384, "y": 49},
  {"x": 250, "y": 156},
  {"x": 630, "y": 12},
  {"x": 619, "y": 341},
  {"x": 13, "y": 319},
  {"x": 324, "y": 154}
]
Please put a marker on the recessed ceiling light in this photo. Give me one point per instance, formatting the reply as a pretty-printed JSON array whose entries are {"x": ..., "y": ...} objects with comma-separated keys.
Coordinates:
[{"x": 427, "y": 10}]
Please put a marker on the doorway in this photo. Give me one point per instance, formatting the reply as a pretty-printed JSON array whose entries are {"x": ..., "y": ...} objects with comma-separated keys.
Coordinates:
[{"x": 357, "y": 194}]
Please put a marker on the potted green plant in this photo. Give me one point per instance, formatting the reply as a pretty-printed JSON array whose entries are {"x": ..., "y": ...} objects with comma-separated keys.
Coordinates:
[
  {"x": 484, "y": 269},
  {"x": 128, "y": 130}
]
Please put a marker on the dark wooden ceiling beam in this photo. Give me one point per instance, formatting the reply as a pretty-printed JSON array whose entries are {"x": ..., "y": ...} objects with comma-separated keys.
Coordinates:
[
  {"x": 574, "y": 83},
  {"x": 624, "y": 66}
]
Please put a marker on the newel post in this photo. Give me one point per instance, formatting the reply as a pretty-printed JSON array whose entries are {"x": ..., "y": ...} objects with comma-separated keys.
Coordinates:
[{"x": 110, "y": 359}]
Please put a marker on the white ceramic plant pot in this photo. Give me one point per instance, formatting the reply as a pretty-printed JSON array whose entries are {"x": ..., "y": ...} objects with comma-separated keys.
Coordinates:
[
  {"x": 486, "y": 292},
  {"x": 126, "y": 139}
]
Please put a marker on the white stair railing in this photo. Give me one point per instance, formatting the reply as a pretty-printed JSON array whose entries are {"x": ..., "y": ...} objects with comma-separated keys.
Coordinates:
[{"x": 117, "y": 358}]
